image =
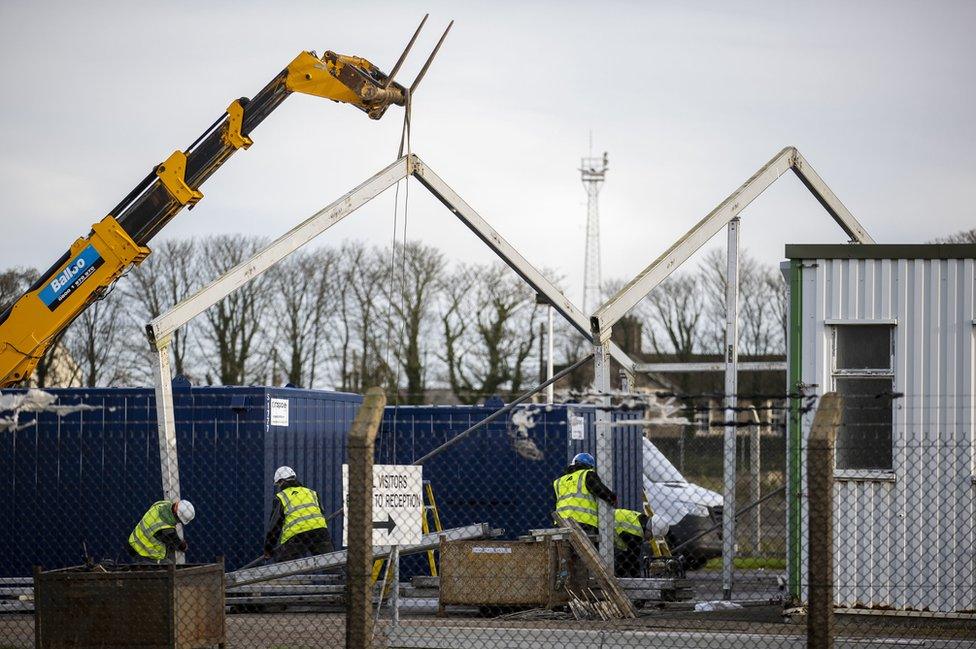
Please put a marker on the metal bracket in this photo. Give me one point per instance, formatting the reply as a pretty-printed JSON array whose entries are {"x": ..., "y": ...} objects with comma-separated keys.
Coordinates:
[
  {"x": 172, "y": 173},
  {"x": 235, "y": 120}
]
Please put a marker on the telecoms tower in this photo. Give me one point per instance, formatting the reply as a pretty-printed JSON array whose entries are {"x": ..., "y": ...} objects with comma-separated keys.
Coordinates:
[{"x": 593, "y": 171}]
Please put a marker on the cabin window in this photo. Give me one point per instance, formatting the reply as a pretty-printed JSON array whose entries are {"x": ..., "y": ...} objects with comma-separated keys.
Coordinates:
[{"x": 863, "y": 374}]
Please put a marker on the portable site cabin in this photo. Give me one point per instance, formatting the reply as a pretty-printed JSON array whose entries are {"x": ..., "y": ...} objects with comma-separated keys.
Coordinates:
[
  {"x": 76, "y": 483},
  {"x": 891, "y": 329}
]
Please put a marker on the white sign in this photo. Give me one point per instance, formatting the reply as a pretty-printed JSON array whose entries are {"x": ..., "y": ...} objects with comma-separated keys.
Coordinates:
[
  {"x": 278, "y": 410},
  {"x": 576, "y": 427},
  {"x": 479, "y": 549},
  {"x": 398, "y": 503}
]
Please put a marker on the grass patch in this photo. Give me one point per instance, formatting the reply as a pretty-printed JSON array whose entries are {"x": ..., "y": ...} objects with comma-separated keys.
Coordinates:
[{"x": 749, "y": 563}]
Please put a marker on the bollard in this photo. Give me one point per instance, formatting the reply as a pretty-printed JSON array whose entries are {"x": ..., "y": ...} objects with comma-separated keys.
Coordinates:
[
  {"x": 820, "y": 539},
  {"x": 359, "y": 520}
]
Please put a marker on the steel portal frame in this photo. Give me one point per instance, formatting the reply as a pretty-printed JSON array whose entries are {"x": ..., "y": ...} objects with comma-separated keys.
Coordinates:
[
  {"x": 597, "y": 329},
  {"x": 161, "y": 328},
  {"x": 726, "y": 214}
]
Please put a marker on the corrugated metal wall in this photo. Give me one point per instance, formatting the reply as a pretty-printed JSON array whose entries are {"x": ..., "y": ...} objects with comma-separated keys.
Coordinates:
[
  {"x": 907, "y": 542},
  {"x": 87, "y": 477}
]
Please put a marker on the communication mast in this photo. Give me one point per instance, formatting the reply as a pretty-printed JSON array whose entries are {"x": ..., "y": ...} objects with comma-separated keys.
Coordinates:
[{"x": 594, "y": 171}]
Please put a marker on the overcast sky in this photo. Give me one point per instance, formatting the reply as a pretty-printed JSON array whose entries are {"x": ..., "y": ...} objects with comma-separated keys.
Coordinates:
[{"x": 689, "y": 99}]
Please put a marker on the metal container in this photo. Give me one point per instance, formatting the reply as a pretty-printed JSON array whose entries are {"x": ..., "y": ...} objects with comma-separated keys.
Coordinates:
[
  {"x": 83, "y": 480},
  {"x": 502, "y": 474},
  {"x": 903, "y": 534},
  {"x": 164, "y": 607},
  {"x": 497, "y": 573}
]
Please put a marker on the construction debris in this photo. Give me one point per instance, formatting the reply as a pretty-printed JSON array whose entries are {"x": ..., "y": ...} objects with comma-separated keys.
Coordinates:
[
  {"x": 608, "y": 583},
  {"x": 336, "y": 559}
]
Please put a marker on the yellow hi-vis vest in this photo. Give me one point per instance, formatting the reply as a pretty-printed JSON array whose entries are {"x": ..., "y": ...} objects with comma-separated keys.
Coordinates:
[
  {"x": 574, "y": 500},
  {"x": 626, "y": 521},
  {"x": 143, "y": 538},
  {"x": 302, "y": 512}
]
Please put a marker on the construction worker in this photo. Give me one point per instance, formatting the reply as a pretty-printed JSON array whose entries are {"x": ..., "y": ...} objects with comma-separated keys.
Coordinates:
[
  {"x": 629, "y": 532},
  {"x": 155, "y": 538},
  {"x": 297, "y": 524},
  {"x": 577, "y": 490}
]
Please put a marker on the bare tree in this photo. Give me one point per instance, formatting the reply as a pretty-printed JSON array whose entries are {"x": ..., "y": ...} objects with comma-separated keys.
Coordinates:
[
  {"x": 97, "y": 342},
  {"x": 231, "y": 327},
  {"x": 363, "y": 344},
  {"x": 303, "y": 302},
  {"x": 13, "y": 282},
  {"x": 168, "y": 276},
  {"x": 674, "y": 312},
  {"x": 419, "y": 271},
  {"x": 489, "y": 330},
  {"x": 963, "y": 236},
  {"x": 761, "y": 304}
]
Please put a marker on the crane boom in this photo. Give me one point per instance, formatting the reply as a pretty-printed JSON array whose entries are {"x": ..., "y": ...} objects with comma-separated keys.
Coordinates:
[{"x": 87, "y": 270}]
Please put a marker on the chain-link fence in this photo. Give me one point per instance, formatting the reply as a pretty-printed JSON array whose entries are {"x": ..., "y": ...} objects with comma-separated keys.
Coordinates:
[{"x": 479, "y": 560}]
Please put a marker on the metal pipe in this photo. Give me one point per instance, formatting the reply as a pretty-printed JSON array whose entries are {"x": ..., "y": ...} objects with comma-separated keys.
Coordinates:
[
  {"x": 395, "y": 594},
  {"x": 338, "y": 558},
  {"x": 731, "y": 389},
  {"x": 498, "y": 413},
  {"x": 755, "y": 479},
  {"x": 604, "y": 448},
  {"x": 550, "y": 391}
]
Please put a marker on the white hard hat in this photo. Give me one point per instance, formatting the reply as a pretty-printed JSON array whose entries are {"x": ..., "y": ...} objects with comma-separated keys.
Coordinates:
[
  {"x": 283, "y": 473},
  {"x": 185, "y": 511}
]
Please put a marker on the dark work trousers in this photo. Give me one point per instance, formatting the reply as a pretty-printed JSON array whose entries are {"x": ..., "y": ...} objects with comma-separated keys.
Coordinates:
[
  {"x": 626, "y": 562},
  {"x": 304, "y": 544},
  {"x": 592, "y": 532}
]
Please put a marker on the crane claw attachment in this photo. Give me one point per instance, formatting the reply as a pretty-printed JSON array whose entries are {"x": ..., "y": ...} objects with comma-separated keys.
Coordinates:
[{"x": 354, "y": 80}]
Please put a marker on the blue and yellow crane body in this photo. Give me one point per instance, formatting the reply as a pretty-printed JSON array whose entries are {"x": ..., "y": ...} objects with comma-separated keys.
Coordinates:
[{"x": 94, "y": 262}]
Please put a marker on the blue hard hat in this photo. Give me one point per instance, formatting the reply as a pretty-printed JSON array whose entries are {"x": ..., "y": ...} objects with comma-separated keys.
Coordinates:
[{"x": 585, "y": 459}]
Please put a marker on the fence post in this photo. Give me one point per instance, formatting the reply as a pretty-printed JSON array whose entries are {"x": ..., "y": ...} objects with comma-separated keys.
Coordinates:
[
  {"x": 359, "y": 520},
  {"x": 820, "y": 539},
  {"x": 755, "y": 480}
]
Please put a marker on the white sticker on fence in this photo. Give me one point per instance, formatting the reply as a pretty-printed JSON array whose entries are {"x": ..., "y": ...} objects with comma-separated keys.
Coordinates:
[
  {"x": 278, "y": 412},
  {"x": 481, "y": 549},
  {"x": 398, "y": 503},
  {"x": 576, "y": 427}
]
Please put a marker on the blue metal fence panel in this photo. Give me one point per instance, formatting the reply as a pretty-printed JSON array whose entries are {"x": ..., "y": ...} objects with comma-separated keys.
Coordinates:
[{"x": 82, "y": 480}]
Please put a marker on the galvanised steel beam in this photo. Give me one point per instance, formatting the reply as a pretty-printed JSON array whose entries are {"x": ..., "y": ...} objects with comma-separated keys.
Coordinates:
[
  {"x": 160, "y": 328},
  {"x": 710, "y": 366},
  {"x": 334, "y": 559},
  {"x": 529, "y": 273},
  {"x": 787, "y": 159}
]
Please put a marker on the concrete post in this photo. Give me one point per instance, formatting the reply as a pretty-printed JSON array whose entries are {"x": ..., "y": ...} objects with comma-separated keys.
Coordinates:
[
  {"x": 820, "y": 540},
  {"x": 359, "y": 524}
]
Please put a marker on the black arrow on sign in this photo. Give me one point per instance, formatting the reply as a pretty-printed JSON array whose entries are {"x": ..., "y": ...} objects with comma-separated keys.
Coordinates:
[{"x": 389, "y": 525}]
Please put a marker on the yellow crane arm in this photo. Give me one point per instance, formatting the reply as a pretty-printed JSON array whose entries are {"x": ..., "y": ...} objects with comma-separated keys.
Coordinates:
[{"x": 94, "y": 262}]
